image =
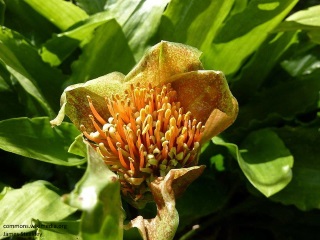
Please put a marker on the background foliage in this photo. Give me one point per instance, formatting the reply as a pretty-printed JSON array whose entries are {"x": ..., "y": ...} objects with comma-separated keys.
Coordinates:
[{"x": 262, "y": 179}]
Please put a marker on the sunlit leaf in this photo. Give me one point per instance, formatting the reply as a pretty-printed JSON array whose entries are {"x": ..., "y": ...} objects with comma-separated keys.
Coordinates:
[
  {"x": 36, "y": 200},
  {"x": 309, "y": 16},
  {"x": 308, "y": 20},
  {"x": 34, "y": 138},
  {"x": 240, "y": 36},
  {"x": 264, "y": 160},
  {"x": 69, "y": 14},
  {"x": 139, "y": 20},
  {"x": 17, "y": 71},
  {"x": 194, "y": 22},
  {"x": 28, "y": 62}
]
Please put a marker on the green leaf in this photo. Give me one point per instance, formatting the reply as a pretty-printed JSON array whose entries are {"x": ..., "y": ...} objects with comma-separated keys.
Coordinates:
[
  {"x": 139, "y": 20},
  {"x": 48, "y": 79},
  {"x": 58, "y": 48},
  {"x": 264, "y": 159},
  {"x": 243, "y": 33},
  {"x": 310, "y": 16},
  {"x": 106, "y": 52},
  {"x": 69, "y": 14},
  {"x": 308, "y": 20},
  {"x": 194, "y": 22},
  {"x": 304, "y": 189},
  {"x": 14, "y": 66},
  {"x": 34, "y": 138},
  {"x": 97, "y": 194},
  {"x": 36, "y": 200}
]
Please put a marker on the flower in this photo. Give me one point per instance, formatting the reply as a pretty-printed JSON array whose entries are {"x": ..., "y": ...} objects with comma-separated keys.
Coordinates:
[{"x": 155, "y": 118}]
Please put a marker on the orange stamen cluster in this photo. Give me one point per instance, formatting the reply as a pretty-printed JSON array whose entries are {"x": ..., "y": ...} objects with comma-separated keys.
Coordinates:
[{"x": 146, "y": 136}]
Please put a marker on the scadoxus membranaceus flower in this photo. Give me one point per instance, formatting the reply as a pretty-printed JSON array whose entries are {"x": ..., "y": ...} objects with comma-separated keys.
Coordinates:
[{"x": 155, "y": 118}]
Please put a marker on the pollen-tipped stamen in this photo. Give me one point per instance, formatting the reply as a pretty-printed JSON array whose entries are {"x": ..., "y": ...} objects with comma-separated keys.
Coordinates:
[{"x": 148, "y": 133}]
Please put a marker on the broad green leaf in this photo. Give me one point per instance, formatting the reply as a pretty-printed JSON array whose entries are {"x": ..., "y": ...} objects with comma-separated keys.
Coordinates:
[
  {"x": 97, "y": 194},
  {"x": 68, "y": 13},
  {"x": 48, "y": 79},
  {"x": 243, "y": 33},
  {"x": 16, "y": 69},
  {"x": 308, "y": 20},
  {"x": 309, "y": 16},
  {"x": 139, "y": 20},
  {"x": 34, "y": 138},
  {"x": 92, "y": 7},
  {"x": 63, "y": 44},
  {"x": 122, "y": 10},
  {"x": 264, "y": 160},
  {"x": 194, "y": 22},
  {"x": 106, "y": 52},
  {"x": 304, "y": 189},
  {"x": 36, "y": 200},
  {"x": 261, "y": 64}
]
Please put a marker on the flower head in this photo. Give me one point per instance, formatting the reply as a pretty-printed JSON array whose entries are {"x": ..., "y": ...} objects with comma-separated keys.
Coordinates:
[{"x": 155, "y": 118}]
